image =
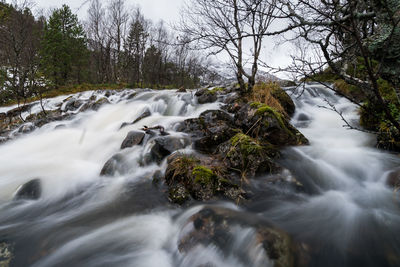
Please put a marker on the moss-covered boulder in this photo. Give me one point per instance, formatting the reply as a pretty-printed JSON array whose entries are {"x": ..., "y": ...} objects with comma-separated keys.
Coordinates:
[
  {"x": 270, "y": 126},
  {"x": 248, "y": 156},
  {"x": 284, "y": 99},
  {"x": 189, "y": 177}
]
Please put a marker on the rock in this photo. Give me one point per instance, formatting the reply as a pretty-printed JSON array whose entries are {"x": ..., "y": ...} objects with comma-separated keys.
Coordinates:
[
  {"x": 178, "y": 194},
  {"x": 29, "y": 190},
  {"x": 181, "y": 90},
  {"x": 124, "y": 124},
  {"x": 73, "y": 105},
  {"x": 18, "y": 110},
  {"x": 189, "y": 176},
  {"x": 284, "y": 99},
  {"x": 209, "y": 130},
  {"x": 215, "y": 226},
  {"x": 393, "y": 179},
  {"x": 6, "y": 254},
  {"x": 26, "y": 128},
  {"x": 131, "y": 95},
  {"x": 102, "y": 101},
  {"x": 165, "y": 146},
  {"x": 303, "y": 117},
  {"x": 132, "y": 139},
  {"x": 113, "y": 166},
  {"x": 60, "y": 126},
  {"x": 263, "y": 122},
  {"x": 286, "y": 181},
  {"x": 145, "y": 114},
  {"x": 206, "y": 96},
  {"x": 247, "y": 155}
]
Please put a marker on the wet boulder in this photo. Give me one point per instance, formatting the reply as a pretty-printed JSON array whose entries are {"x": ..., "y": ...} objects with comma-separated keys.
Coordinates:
[
  {"x": 99, "y": 103},
  {"x": 145, "y": 114},
  {"x": 26, "y": 128},
  {"x": 206, "y": 96},
  {"x": 215, "y": 226},
  {"x": 132, "y": 139},
  {"x": 267, "y": 124},
  {"x": 73, "y": 105},
  {"x": 188, "y": 177},
  {"x": 30, "y": 190},
  {"x": 209, "y": 130},
  {"x": 115, "y": 165},
  {"x": 284, "y": 99},
  {"x": 393, "y": 179},
  {"x": 165, "y": 146},
  {"x": 249, "y": 156}
]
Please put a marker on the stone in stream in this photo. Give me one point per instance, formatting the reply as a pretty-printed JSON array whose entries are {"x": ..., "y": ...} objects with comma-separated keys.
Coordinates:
[
  {"x": 212, "y": 128},
  {"x": 30, "y": 190},
  {"x": 26, "y": 128},
  {"x": 113, "y": 165},
  {"x": 393, "y": 179},
  {"x": 265, "y": 123},
  {"x": 215, "y": 226},
  {"x": 190, "y": 177},
  {"x": 145, "y": 114},
  {"x": 165, "y": 145},
  {"x": 206, "y": 96},
  {"x": 132, "y": 139}
]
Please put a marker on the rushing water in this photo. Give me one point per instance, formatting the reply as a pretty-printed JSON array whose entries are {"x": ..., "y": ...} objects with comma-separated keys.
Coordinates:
[{"x": 347, "y": 215}]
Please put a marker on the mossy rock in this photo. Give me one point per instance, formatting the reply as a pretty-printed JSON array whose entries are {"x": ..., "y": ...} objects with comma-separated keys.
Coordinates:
[
  {"x": 200, "y": 181},
  {"x": 283, "y": 98},
  {"x": 268, "y": 125},
  {"x": 248, "y": 156}
]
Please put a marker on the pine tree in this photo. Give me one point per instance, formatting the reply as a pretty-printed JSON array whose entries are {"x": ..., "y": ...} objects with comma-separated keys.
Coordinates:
[{"x": 64, "y": 50}]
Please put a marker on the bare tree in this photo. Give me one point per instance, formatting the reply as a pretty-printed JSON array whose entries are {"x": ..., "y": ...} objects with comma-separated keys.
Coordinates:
[
  {"x": 19, "y": 44},
  {"x": 349, "y": 34},
  {"x": 230, "y": 26},
  {"x": 118, "y": 18}
]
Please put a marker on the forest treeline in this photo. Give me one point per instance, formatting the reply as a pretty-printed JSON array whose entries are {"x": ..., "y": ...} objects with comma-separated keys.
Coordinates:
[{"x": 115, "y": 45}]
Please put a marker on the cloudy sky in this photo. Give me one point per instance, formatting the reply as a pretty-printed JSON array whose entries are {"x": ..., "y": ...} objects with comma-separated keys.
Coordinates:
[{"x": 167, "y": 10}]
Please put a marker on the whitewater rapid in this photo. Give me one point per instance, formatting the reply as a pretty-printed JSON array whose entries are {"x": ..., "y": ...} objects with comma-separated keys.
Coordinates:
[{"x": 345, "y": 214}]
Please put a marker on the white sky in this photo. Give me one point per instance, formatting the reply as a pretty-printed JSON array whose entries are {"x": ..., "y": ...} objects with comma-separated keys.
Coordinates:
[{"x": 167, "y": 10}]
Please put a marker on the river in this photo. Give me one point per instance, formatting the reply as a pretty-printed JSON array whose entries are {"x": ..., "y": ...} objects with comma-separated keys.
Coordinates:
[{"x": 346, "y": 214}]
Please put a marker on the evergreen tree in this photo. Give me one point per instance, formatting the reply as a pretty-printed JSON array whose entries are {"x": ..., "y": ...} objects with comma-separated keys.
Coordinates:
[{"x": 64, "y": 50}]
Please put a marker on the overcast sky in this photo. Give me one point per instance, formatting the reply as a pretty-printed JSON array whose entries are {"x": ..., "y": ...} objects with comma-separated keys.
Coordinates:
[{"x": 167, "y": 10}]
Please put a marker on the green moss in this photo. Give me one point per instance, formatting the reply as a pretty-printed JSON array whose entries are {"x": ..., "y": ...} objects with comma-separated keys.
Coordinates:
[
  {"x": 181, "y": 166},
  {"x": 267, "y": 110},
  {"x": 203, "y": 175},
  {"x": 255, "y": 104},
  {"x": 246, "y": 144}
]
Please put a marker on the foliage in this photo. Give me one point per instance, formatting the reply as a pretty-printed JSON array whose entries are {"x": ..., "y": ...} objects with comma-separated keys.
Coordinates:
[{"x": 63, "y": 51}]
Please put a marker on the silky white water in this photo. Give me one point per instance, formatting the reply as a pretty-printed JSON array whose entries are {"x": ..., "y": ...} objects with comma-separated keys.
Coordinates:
[{"x": 346, "y": 213}]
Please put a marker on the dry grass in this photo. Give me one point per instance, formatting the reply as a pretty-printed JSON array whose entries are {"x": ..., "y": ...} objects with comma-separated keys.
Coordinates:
[{"x": 262, "y": 93}]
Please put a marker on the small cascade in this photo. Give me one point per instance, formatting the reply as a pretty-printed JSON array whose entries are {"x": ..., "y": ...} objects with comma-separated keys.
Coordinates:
[{"x": 98, "y": 206}]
